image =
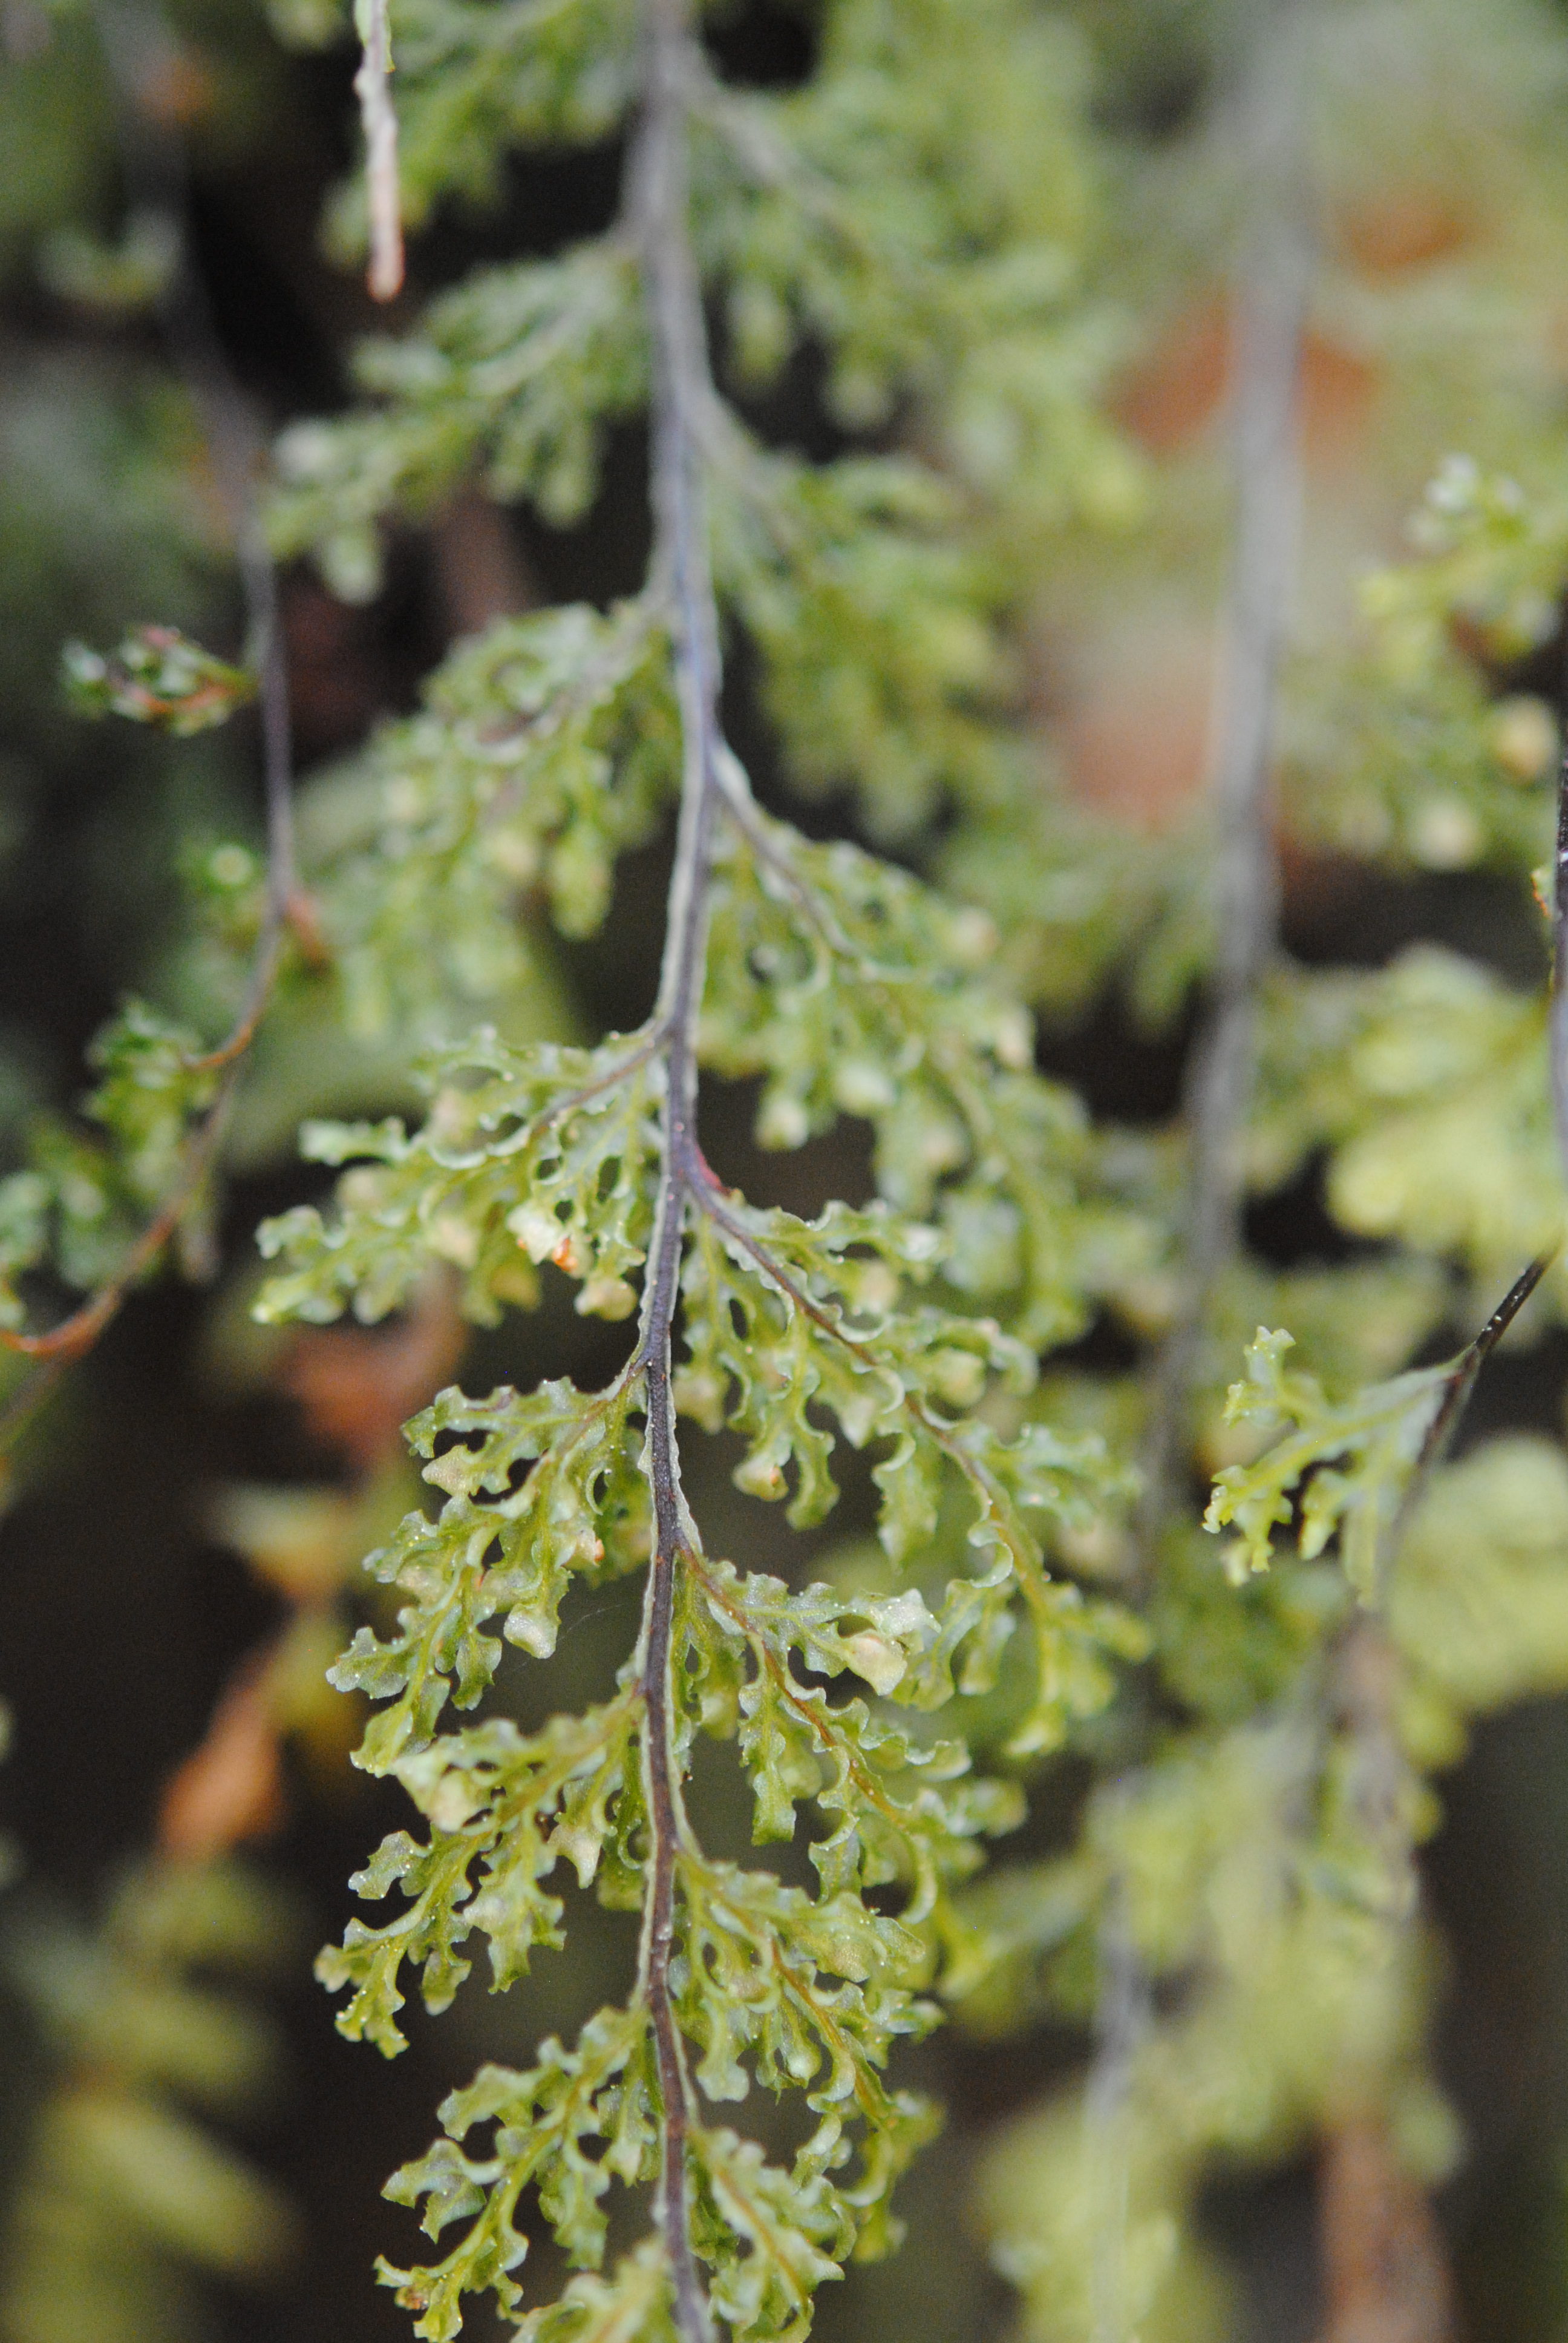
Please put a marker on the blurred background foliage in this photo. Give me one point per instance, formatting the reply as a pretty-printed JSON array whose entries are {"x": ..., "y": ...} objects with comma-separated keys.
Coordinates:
[{"x": 187, "y": 2149}]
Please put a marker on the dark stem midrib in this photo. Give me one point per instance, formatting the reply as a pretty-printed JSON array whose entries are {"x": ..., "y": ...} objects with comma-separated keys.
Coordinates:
[{"x": 682, "y": 386}]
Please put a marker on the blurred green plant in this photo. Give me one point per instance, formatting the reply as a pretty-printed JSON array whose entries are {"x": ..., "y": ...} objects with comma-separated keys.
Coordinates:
[
  {"x": 156, "y": 676},
  {"x": 126, "y": 2194}
]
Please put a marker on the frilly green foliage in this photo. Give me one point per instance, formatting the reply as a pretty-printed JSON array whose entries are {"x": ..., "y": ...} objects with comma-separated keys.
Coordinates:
[
  {"x": 1252, "y": 1866},
  {"x": 917, "y": 218},
  {"x": 87, "y": 1191},
  {"x": 1406, "y": 753},
  {"x": 872, "y": 615},
  {"x": 1245, "y": 1868},
  {"x": 1266, "y": 1862},
  {"x": 806, "y": 1990},
  {"x": 514, "y": 375},
  {"x": 1080, "y": 901},
  {"x": 545, "y": 749},
  {"x": 525, "y": 1157},
  {"x": 1351, "y": 1465},
  {"x": 1384, "y": 1074},
  {"x": 1476, "y": 1605},
  {"x": 157, "y": 676},
  {"x": 829, "y": 214},
  {"x": 850, "y": 989},
  {"x": 1262, "y": 1857},
  {"x": 475, "y": 82},
  {"x": 871, "y": 589},
  {"x": 821, "y": 219}
]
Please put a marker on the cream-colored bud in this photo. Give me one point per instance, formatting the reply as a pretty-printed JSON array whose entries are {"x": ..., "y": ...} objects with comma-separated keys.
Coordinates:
[{"x": 1524, "y": 737}]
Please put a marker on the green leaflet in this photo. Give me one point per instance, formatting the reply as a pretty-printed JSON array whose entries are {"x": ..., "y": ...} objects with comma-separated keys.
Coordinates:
[
  {"x": 881, "y": 663},
  {"x": 1354, "y": 1323},
  {"x": 1080, "y": 901},
  {"x": 1353, "y": 1462},
  {"x": 1489, "y": 554},
  {"x": 852, "y": 988},
  {"x": 515, "y": 1805},
  {"x": 822, "y": 211},
  {"x": 1387, "y": 1073},
  {"x": 87, "y": 1193},
  {"x": 602, "y": 2090},
  {"x": 157, "y": 676},
  {"x": 809, "y": 1992},
  {"x": 1406, "y": 753},
  {"x": 778, "y": 1320},
  {"x": 150, "y": 1085},
  {"x": 581, "y": 1506},
  {"x": 515, "y": 374},
  {"x": 898, "y": 1808},
  {"x": 545, "y": 749},
  {"x": 634, "y": 2301},
  {"x": 527, "y": 1156},
  {"x": 1478, "y": 1597},
  {"x": 1434, "y": 774},
  {"x": 766, "y": 2290}
]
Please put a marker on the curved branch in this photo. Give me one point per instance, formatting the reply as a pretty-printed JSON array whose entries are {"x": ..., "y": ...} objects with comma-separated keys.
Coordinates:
[{"x": 155, "y": 164}]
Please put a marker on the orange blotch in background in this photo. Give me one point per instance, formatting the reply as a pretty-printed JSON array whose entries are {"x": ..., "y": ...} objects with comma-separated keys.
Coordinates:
[{"x": 1181, "y": 387}]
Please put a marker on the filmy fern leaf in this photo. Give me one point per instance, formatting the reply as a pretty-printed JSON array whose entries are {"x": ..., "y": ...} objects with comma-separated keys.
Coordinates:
[{"x": 545, "y": 750}]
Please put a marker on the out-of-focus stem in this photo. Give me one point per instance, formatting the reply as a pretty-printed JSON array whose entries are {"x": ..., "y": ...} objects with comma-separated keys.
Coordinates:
[{"x": 1269, "y": 309}]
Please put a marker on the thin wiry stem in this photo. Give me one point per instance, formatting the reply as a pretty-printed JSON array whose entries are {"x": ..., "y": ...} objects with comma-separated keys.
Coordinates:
[
  {"x": 1457, "y": 1398},
  {"x": 136, "y": 46},
  {"x": 1559, "y": 1016},
  {"x": 1364, "y": 1684},
  {"x": 682, "y": 385}
]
